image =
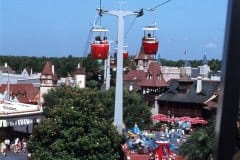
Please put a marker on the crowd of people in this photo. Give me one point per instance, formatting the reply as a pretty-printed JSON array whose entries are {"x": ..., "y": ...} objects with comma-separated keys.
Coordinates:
[{"x": 18, "y": 145}]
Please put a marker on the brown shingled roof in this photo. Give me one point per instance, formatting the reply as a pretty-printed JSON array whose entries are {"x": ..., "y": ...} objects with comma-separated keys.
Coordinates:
[
  {"x": 135, "y": 75},
  {"x": 156, "y": 80},
  {"x": 47, "y": 69},
  {"x": 80, "y": 71},
  {"x": 25, "y": 93}
]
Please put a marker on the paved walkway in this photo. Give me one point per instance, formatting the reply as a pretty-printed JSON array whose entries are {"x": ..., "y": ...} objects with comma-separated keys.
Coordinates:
[{"x": 14, "y": 156}]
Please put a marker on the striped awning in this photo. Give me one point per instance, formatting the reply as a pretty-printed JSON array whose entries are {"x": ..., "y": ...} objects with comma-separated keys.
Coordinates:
[{"x": 18, "y": 122}]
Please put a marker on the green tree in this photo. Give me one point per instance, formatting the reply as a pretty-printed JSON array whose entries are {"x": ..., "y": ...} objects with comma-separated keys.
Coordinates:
[
  {"x": 200, "y": 144},
  {"x": 215, "y": 65},
  {"x": 92, "y": 70},
  {"x": 75, "y": 128},
  {"x": 135, "y": 109}
]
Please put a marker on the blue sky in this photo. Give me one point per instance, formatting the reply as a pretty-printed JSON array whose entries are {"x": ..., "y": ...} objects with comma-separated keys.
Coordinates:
[{"x": 61, "y": 27}]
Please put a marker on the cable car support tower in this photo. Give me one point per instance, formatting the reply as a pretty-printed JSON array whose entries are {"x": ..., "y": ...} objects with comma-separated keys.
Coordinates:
[
  {"x": 120, "y": 14},
  {"x": 118, "y": 111}
]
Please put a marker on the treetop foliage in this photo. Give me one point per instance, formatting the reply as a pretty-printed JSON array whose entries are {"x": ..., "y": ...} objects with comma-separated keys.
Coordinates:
[
  {"x": 200, "y": 144},
  {"x": 67, "y": 65},
  {"x": 79, "y": 124},
  {"x": 75, "y": 127}
]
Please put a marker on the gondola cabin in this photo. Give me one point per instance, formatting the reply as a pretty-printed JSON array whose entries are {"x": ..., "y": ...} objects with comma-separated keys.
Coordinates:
[
  {"x": 125, "y": 55},
  {"x": 112, "y": 62},
  {"x": 125, "y": 52},
  {"x": 99, "y": 51},
  {"x": 100, "y": 46},
  {"x": 150, "y": 42}
]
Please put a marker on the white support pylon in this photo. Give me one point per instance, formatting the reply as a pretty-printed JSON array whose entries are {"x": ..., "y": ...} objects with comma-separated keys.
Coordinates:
[
  {"x": 107, "y": 68},
  {"x": 118, "y": 111}
]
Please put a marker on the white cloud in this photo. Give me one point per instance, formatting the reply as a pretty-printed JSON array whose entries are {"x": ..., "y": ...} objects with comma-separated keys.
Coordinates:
[{"x": 211, "y": 45}]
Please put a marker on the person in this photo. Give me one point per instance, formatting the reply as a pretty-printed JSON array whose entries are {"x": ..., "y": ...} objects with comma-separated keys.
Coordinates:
[
  {"x": 104, "y": 38},
  {"x": 104, "y": 41},
  {"x": 16, "y": 145},
  {"x": 98, "y": 39},
  {"x": 149, "y": 35},
  {"x": 24, "y": 145},
  {"x": 7, "y": 143},
  {"x": 3, "y": 149}
]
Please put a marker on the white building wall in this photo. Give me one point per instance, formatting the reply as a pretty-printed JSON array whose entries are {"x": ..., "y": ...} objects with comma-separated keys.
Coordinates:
[
  {"x": 45, "y": 86},
  {"x": 170, "y": 72},
  {"x": 44, "y": 90},
  {"x": 204, "y": 71},
  {"x": 140, "y": 65},
  {"x": 186, "y": 71},
  {"x": 215, "y": 77},
  {"x": 80, "y": 81}
]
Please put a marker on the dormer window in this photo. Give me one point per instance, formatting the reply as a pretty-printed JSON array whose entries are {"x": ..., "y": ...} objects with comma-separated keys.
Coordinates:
[
  {"x": 159, "y": 77},
  {"x": 145, "y": 63},
  {"x": 149, "y": 76}
]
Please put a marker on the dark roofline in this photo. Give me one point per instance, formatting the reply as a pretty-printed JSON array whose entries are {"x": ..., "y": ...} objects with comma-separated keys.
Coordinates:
[{"x": 175, "y": 94}]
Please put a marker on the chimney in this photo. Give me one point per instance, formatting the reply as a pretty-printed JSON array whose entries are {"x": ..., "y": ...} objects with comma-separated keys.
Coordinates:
[
  {"x": 52, "y": 69},
  {"x": 5, "y": 65},
  {"x": 199, "y": 84}
]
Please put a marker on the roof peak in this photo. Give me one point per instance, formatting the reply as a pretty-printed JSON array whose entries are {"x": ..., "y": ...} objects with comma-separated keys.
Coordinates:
[
  {"x": 47, "y": 69},
  {"x": 204, "y": 61}
]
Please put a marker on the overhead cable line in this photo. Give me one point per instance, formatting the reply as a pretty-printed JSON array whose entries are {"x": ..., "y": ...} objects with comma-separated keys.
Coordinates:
[
  {"x": 100, "y": 14},
  {"x": 130, "y": 27},
  {"x": 88, "y": 41},
  {"x": 159, "y": 5}
]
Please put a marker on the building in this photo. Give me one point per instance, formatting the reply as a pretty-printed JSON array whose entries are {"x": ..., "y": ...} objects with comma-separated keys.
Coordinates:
[
  {"x": 12, "y": 78},
  {"x": 6, "y": 69},
  {"x": 16, "y": 118},
  {"x": 170, "y": 72},
  {"x": 187, "y": 97},
  {"x": 150, "y": 83},
  {"x": 48, "y": 79},
  {"x": 80, "y": 77},
  {"x": 204, "y": 69},
  {"x": 153, "y": 81},
  {"x": 24, "y": 93},
  {"x": 142, "y": 60},
  {"x": 77, "y": 79}
]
